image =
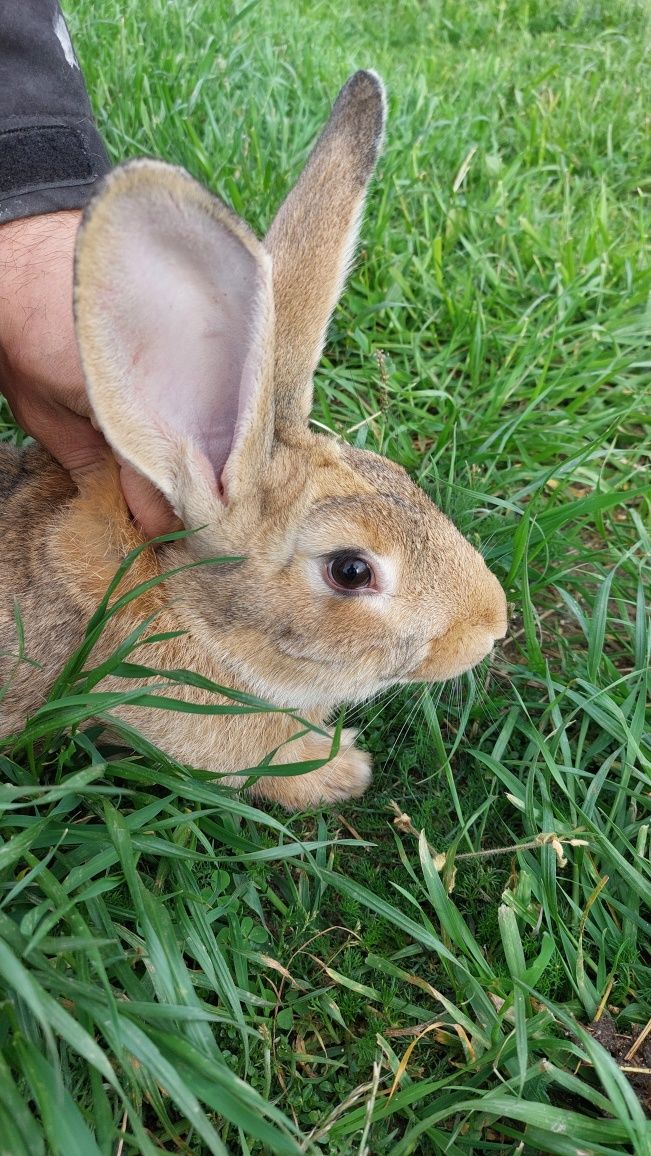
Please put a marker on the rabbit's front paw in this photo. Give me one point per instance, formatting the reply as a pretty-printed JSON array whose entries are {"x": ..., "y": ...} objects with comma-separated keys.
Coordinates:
[
  {"x": 347, "y": 776},
  {"x": 344, "y": 777}
]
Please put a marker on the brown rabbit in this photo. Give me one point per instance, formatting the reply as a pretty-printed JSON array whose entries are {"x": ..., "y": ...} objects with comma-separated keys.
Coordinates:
[{"x": 198, "y": 344}]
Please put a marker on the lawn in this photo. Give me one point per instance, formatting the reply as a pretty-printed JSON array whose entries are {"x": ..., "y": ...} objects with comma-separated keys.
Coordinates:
[{"x": 459, "y": 962}]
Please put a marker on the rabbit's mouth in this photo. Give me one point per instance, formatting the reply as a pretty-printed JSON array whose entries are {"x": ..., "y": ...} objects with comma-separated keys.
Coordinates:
[
  {"x": 453, "y": 661},
  {"x": 457, "y": 651}
]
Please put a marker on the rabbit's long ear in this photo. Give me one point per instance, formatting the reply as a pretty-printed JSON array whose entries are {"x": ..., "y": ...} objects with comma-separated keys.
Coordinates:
[
  {"x": 174, "y": 316},
  {"x": 313, "y": 237}
]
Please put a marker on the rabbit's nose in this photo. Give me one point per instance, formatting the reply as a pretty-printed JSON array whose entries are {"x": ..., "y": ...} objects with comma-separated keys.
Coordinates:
[
  {"x": 491, "y": 610},
  {"x": 501, "y": 622}
]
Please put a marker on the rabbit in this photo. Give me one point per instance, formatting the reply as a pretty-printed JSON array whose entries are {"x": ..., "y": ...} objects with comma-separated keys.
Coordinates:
[{"x": 198, "y": 344}]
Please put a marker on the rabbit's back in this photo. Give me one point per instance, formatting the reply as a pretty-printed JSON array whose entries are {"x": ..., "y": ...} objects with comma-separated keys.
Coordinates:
[{"x": 33, "y": 599}]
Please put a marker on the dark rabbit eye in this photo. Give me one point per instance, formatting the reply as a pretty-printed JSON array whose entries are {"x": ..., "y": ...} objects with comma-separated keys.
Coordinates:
[{"x": 349, "y": 572}]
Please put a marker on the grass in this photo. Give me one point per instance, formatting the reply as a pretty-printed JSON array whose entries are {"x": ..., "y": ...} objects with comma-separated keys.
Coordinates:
[{"x": 181, "y": 972}]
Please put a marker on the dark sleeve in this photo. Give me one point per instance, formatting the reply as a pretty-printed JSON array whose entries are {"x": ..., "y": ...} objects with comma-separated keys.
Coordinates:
[{"x": 51, "y": 153}]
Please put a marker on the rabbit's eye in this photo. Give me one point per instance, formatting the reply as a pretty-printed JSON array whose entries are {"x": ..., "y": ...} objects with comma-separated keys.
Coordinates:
[{"x": 349, "y": 572}]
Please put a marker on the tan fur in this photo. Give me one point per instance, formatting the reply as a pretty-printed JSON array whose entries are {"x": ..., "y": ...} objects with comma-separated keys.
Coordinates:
[
  {"x": 312, "y": 237},
  {"x": 268, "y": 624}
]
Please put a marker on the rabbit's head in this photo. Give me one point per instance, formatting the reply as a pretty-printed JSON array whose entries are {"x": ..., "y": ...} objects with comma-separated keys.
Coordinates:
[{"x": 199, "y": 344}]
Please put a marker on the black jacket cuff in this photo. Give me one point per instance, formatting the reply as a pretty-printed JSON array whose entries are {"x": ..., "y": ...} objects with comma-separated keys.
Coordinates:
[
  {"x": 48, "y": 164},
  {"x": 51, "y": 154}
]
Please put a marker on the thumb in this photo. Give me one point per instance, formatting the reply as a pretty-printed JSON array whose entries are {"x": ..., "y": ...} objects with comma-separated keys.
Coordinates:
[{"x": 151, "y": 511}]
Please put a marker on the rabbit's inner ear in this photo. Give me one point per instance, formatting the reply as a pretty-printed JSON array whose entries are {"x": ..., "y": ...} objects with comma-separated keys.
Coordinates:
[
  {"x": 173, "y": 305},
  {"x": 182, "y": 338}
]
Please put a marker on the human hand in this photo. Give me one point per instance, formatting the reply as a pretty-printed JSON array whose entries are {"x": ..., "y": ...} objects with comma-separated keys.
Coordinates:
[{"x": 40, "y": 371}]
